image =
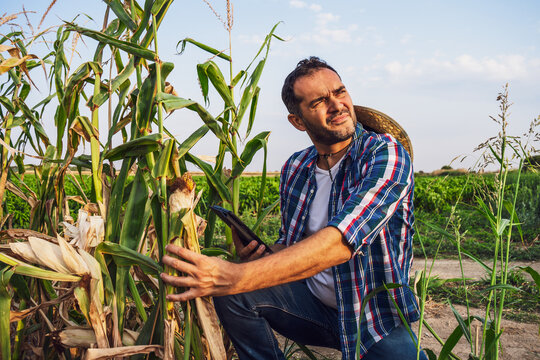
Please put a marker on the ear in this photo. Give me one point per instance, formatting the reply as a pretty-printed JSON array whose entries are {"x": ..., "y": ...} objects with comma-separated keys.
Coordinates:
[{"x": 297, "y": 122}]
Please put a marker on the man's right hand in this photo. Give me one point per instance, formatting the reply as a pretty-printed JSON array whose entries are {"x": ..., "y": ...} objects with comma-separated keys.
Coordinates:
[{"x": 250, "y": 252}]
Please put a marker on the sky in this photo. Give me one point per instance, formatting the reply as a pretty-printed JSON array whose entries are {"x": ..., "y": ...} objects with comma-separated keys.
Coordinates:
[{"x": 436, "y": 67}]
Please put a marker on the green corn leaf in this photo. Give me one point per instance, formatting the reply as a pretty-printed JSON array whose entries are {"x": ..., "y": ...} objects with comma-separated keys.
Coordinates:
[
  {"x": 211, "y": 50},
  {"x": 5, "y": 306},
  {"x": 123, "y": 16},
  {"x": 124, "y": 256},
  {"x": 192, "y": 140},
  {"x": 203, "y": 82},
  {"x": 215, "y": 179},
  {"x": 119, "y": 80},
  {"x": 126, "y": 46},
  {"x": 253, "y": 110},
  {"x": 134, "y": 224},
  {"x": 8, "y": 104},
  {"x": 266, "y": 211},
  {"x": 218, "y": 80},
  {"x": 135, "y": 148},
  {"x": 23, "y": 268},
  {"x": 163, "y": 163},
  {"x": 84, "y": 128},
  {"x": 238, "y": 77},
  {"x": 249, "y": 92},
  {"x": 171, "y": 102},
  {"x": 137, "y": 298},
  {"x": 112, "y": 225},
  {"x": 83, "y": 301},
  {"x": 251, "y": 148},
  {"x": 157, "y": 6}
]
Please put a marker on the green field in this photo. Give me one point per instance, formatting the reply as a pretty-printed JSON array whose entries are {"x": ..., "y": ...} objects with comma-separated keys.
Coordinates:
[{"x": 435, "y": 199}]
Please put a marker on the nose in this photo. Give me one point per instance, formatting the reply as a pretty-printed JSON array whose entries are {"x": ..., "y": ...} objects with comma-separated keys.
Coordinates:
[{"x": 334, "y": 104}]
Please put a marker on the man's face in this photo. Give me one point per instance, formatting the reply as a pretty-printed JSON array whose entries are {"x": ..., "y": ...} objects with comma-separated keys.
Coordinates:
[{"x": 327, "y": 111}]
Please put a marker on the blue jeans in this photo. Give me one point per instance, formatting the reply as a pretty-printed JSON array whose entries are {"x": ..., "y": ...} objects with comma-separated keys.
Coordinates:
[{"x": 293, "y": 311}]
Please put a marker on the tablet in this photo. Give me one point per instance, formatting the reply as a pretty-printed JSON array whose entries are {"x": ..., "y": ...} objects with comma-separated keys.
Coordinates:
[{"x": 245, "y": 234}]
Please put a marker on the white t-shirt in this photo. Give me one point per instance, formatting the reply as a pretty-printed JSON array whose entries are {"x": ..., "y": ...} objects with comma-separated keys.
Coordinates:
[{"x": 322, "y": 284}]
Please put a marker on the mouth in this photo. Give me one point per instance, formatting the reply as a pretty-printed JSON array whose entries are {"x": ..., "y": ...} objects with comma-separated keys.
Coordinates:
[{"x": 338, "y": 118}]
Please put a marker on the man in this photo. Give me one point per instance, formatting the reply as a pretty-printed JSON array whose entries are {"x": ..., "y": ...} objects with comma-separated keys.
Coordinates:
[{"x": 347, "y": 227}]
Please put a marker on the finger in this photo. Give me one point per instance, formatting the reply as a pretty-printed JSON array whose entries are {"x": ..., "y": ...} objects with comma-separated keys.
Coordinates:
[
  {"x": 178, "y": 281},
  {"x": 185, "y": 296},
  {"x": 258, "y": 253},
  {"x": 248, "y": 249},
  {"x": 236, "y": 240},
  {"x": 184, "y": 253},
  {"x": 179, "y": 264}
]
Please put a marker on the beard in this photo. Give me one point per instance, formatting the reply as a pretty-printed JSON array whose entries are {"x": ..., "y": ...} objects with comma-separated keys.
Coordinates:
[{"x": 328, "y": 136}]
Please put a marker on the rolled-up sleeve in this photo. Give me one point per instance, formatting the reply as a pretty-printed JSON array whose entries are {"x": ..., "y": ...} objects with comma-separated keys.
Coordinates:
[{"x": 386, "y": 179}]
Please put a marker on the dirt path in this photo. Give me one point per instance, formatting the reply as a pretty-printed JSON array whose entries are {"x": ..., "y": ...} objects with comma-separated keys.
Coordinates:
[
  {"x": 520, "y": 341},
  {"x": 450, "y": 269}
]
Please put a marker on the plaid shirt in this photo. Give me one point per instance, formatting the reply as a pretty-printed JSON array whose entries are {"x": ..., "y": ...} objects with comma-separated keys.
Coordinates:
[{"x": 371, "y": 204}]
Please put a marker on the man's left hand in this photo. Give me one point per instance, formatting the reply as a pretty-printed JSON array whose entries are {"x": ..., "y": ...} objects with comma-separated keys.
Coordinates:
[{"x": 202, "y": 275}]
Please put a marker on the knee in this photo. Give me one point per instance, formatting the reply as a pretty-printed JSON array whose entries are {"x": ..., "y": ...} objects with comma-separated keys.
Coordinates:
[{"x": 229, "y": 305}]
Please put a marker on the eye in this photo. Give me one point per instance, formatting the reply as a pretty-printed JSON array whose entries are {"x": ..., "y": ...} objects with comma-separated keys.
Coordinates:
[{"x": 341, "y": 92}]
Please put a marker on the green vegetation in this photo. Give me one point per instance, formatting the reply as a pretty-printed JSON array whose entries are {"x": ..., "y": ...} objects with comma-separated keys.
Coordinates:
[{"x": 435, "y": 197}]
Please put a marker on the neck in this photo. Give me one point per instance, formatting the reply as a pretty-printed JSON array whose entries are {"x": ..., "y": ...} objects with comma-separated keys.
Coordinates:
[{"x": 327, "y": 159}]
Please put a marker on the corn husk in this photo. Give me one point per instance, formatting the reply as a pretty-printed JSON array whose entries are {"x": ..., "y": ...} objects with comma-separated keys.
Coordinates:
[
  {"x": 73, "y": 260},
  {"x": 86, "y": 338},
  {"x": 103, "y": 354},
  {"x": 48, "y": 255},
  {"x": 24, "y": 250},
  {"x": 88, "y": 233}
]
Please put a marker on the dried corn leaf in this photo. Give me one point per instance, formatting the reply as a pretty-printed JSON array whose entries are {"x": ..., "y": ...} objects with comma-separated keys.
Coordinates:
[
  {"x": 19, "y": 315},
  {"x": 23, "y": 234},
  {"x": 170, "y": 327},
  {"x": 96, "y": 311},
  {"x": 210, "y": 326}
]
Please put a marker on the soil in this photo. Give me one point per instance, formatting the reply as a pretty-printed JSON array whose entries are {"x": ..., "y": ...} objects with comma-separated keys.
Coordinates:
[{"x": 520, "y": 341}]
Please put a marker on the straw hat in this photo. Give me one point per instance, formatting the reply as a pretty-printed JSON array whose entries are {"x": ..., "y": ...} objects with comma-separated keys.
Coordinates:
[{"x": 376, "y": 121}]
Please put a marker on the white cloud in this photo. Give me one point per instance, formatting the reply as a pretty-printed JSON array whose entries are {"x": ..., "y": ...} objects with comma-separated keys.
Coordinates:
[
  {"x": 302, "y": 4},
  {"x": 324, "y": 18},
  {"x": 498, "y": 68},
  {"x": 405, "y": 39},
  {"x": 297, "y": 4}
]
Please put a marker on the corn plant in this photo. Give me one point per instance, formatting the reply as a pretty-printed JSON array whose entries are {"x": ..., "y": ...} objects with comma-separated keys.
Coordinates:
[
  {"x": 90, "y": 287},
  {"x": 224, "y": 183}
]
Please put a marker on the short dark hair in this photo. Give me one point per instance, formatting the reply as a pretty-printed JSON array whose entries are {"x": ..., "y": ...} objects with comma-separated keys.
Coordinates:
[{"x": 304, "y": 67}]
